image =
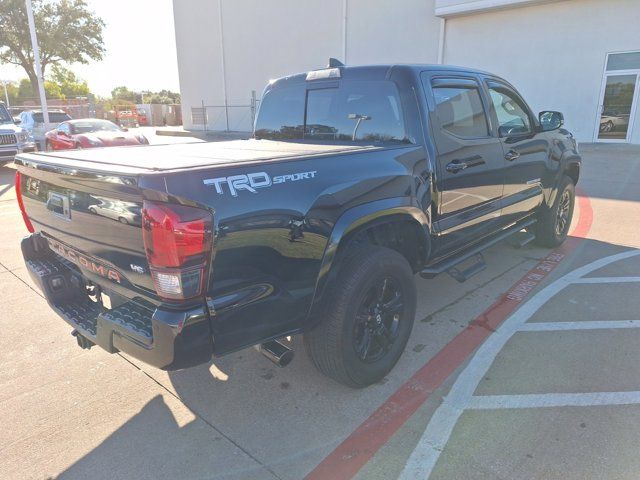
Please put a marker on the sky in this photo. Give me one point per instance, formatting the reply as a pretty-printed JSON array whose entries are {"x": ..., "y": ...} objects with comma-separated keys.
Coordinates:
[{"x": 139, "y": 39}]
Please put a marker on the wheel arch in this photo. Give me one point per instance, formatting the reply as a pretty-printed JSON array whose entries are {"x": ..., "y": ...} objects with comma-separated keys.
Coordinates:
[
  {"x": 570, "y": 166},
  {"x": 382, "y": 222}
]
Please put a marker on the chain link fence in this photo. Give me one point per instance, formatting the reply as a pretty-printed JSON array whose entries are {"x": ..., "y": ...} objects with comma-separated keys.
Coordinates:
[{"x": 226, "y": 117}]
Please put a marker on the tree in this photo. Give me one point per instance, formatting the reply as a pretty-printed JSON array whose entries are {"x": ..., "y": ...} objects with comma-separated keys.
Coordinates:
[
  {"x": 70, "y": 85},
  {"x": 166, "y": 97},
  {"x": 123, "y": 93},
  {"x": 67, "y": 32},
  {"x": 27, "y": 92}
]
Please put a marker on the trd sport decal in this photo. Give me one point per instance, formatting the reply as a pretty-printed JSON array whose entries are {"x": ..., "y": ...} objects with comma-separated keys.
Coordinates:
[{"x": 252, "y": 181}]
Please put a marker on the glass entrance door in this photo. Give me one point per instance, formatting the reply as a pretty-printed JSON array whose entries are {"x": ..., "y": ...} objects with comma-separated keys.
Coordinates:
[{"x": 617, "y": 107}]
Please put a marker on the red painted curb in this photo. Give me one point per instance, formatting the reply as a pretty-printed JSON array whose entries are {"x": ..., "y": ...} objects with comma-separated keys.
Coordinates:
[{"x": 358, "y": 448}]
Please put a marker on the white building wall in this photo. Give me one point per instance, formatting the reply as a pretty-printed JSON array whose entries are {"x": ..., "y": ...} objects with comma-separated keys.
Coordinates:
[
  {"x": 199, "y": 54},
  {"x": 269, "y": 39},
  {"x": 383, "y": 31},
  {"x": 553, "y": 53}
]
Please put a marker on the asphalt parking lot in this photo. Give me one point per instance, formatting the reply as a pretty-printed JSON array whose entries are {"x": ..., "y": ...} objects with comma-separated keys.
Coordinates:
[{"x": 528, "y": 371}]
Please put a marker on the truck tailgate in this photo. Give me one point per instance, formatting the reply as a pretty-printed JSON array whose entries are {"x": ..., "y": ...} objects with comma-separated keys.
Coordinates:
[{"x": 93, "y": 220}]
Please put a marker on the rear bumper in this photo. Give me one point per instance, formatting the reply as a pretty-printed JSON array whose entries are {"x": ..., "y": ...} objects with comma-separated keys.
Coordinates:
[{"x": 165, "y": 339}]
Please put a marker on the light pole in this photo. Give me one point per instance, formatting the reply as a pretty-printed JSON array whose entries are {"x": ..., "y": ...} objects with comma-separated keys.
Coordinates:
[
  {"x": 6, "y": 95},
  {"x": 36, "y": 57}
]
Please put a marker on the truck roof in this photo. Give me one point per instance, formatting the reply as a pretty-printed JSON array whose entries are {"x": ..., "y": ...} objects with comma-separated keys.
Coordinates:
[{"x": 380, "y": 72}]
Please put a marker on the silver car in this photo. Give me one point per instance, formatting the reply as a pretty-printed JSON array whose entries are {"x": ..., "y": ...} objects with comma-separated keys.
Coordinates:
[
  {"x": 13, "y": 138},
  {"x": 33, "y": 121}
]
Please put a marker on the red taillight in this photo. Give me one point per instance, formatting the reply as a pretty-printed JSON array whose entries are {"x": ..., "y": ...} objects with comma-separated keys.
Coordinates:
[
  {"x": 178, "y": 241},
  {"x": 27, "y": 222}
]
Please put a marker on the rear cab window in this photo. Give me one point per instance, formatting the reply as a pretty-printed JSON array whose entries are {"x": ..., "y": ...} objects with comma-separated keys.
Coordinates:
[{"x": 345, "y": 111}]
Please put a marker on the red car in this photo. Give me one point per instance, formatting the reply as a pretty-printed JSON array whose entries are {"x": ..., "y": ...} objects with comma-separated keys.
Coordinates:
[{"x": 89, "y": 133}]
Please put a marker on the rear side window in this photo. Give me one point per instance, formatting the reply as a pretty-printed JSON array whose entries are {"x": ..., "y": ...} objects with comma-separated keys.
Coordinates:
[
  {"x": 54, "y": 117},
  {"x": 460, "y": 111}
]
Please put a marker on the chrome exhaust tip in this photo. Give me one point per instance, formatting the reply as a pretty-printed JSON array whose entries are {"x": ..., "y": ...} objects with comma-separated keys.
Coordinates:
[{"x": 277, "y": 352}]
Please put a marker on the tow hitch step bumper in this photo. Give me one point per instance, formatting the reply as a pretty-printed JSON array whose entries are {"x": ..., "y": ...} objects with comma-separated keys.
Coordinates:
[{"x": 450, "y": 265}]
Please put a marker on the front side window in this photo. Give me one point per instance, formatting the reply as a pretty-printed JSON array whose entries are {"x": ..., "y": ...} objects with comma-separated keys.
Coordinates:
[
  {"x": 513, "y": 118},
  {"x": 366, "y": 112},
  {"x": 460, "y": 111}
]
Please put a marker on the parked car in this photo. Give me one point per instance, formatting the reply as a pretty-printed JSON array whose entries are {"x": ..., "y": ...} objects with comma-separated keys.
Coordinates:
[
  {"x": 33, "y": 121},
  {"x": 123, "y": 212},
  {"x": 357, "y": 179},
  {"x": 13, "y": 138},
  {"x": 611, "y": 120},
  {"x": 127, "y": 117},
  {"x": 89, "y": 133}
]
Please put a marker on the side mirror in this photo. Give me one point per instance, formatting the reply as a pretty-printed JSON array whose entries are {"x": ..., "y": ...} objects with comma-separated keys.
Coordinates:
[
  {"x": 124, "y": 129},
  {"x": 61, "y": 132},
  {"x": 550, "y": 120}
]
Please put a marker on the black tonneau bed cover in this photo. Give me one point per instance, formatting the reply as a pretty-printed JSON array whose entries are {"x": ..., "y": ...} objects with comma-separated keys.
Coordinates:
[{"x": 163, "y": 158}]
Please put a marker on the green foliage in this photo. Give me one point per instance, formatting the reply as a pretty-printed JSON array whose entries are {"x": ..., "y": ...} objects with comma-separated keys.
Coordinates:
[
  {"x": 12, "y": 92},
  {"x": 70, "y": 85},
  {"x": 123, "y": 93},
  {"x": 67, "y": 32},
  {"x": 166, "y": 97},
  {"x": 26, "y": 92}
]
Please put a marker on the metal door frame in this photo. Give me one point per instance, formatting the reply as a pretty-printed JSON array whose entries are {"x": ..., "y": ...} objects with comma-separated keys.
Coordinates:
[{"x": 634, "y": 101}]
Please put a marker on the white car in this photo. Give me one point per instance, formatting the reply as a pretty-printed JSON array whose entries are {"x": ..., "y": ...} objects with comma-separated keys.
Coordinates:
[
  {"x": 33, "y": 122},
  {"x": 609, "y": 121}
]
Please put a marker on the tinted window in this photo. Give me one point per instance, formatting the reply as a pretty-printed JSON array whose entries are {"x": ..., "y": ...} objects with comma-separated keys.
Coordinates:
[
  {"x": 460, "y": 111},
  {"x": 94, "y": 126},
  {"x": 5, "y": 117},
  {"x": 624, "y": 61},
  {"x": 511, "y": 112},
  {"x": 281, "y": 115},
  {"x": 357, "y": 111},
  {"x": 54, "y": 117},
  {"x": 353, "y": 111}
]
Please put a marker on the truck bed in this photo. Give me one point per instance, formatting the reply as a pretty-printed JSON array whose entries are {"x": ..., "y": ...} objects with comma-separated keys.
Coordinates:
[{"x": 166, "y": 158}]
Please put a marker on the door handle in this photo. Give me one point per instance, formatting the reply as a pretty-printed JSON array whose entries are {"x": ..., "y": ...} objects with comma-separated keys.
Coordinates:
[
  {"x": 456, "y": 166},
  {"x": 512, "y": 155},
  {"x": 463, "y": 163}
]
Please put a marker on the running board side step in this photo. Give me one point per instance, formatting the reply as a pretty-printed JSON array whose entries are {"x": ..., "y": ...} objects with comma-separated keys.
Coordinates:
[{"x": 450, "y": 265}]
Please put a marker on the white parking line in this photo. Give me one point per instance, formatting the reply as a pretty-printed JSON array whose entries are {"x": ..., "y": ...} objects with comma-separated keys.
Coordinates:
[
  {"x": 587, "y": 325},
  {"x": 460, "y": 397},
  {"x": 608, "y": 280},
  {"x": 547, "y": 400}
]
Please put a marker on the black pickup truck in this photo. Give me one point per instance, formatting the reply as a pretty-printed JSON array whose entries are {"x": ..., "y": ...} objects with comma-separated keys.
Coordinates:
[{"x": 357, "y": 179}]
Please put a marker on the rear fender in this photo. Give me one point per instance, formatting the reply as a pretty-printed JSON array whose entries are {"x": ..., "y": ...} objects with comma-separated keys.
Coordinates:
[{"x": 361, "y": 218}]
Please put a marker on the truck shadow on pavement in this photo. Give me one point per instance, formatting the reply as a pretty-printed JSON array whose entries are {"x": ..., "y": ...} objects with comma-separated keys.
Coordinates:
[{"x": 252, "y": 419}]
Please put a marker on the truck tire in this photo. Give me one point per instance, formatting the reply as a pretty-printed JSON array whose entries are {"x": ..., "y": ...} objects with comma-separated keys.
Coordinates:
[
  {"x": 367, "y": 317},
  {"x": 553, "y": 223}
]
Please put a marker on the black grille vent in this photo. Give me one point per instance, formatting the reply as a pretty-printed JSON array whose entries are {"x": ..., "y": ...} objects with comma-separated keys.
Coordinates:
[{"x": 8, "y": 139}]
